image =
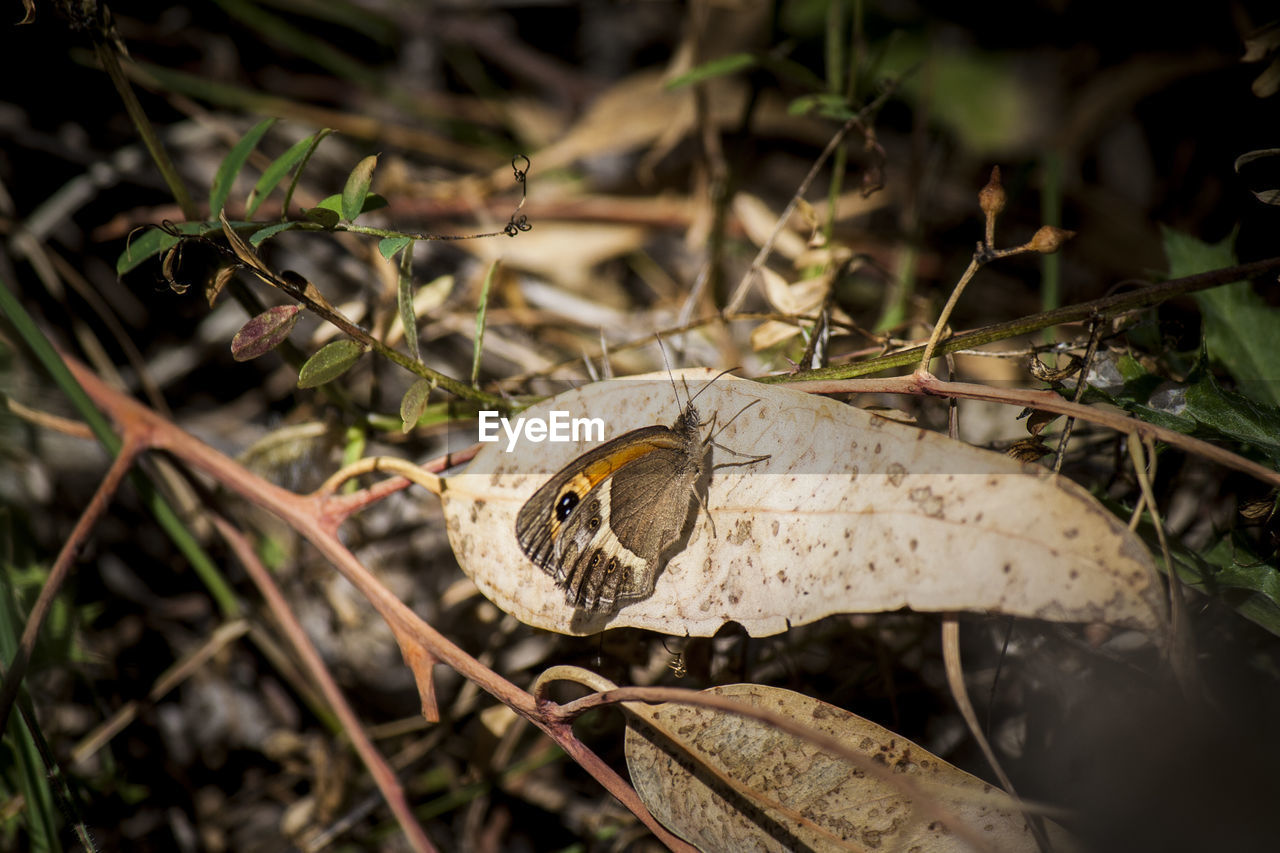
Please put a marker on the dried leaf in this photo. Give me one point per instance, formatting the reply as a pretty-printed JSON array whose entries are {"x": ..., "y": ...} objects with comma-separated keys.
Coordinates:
[
  {"x": 772, "y": 332},
  {"x": 727, "y": 782},
  {"x": 265, "y": 332},
  {"x": 1045, "y": 373},
  {"x": 760, "y": 222},
  {"x": 850, "y": 513},
  {"x": 213, "y": 288},
  {"x": 168, "y": 269},
  {"x": 563, "y": 252},
  {"x": 1029, "y": 449},
  {"x": 1039, "y": 419},
  {"x": 243, "y": 250}
]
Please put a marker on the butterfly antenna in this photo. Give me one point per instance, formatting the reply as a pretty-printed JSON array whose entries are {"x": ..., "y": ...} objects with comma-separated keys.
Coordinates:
[
  {"x": 670, "y": 375},
  {"x": 712, "y": 379},
  {"x": 732, "y": 419}
]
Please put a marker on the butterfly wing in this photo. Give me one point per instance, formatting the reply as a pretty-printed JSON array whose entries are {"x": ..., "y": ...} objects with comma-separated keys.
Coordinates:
[{"x": 600, "y": 525}]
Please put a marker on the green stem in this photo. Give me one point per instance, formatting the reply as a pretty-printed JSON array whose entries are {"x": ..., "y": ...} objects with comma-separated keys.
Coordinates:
[
  {"x": 111, "y": 63},
  {"x": 1130, "y": 301}
]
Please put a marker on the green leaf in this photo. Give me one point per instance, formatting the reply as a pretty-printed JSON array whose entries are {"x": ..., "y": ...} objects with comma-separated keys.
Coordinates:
[
  {"x": 333, "y": 203},
  {"x": 414, "y": 403},
  {"x": 297, "y": 174},
  {"x": 388, "y": 246},
  {"x": 329, "y": 211},
  {"x": 826, "y": 105},
  {"x": 1240, "y": 328},
  {"x": 334, "y": 359},
  {"x": 1233, "y": 416},
  {"x": 1254, "y": 580},
  {"x": 404, "y": 300},
  {"x": 730, "y": 64},
  {"x": 232, "y": 164},
  {"x": 357, "y": 188},
  {"x": 277, "y": 172},
  {"x": 322, "y": 215},
  {"x": 265, "y": 332},
  {"x": 1199, "y": 406},
  {"x": 262, "y": 234}
]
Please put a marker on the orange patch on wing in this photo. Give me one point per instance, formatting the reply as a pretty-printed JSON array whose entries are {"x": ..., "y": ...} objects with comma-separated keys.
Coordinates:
[
  {"x": 592, "y": 475},
  {"x": 601, "y": 468}
]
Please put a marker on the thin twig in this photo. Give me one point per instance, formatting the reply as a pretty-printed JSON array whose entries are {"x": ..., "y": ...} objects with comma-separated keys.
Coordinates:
[
  {"x": 383, "y": 776},
  {"x": 852, "y": 123},
  {"x": 61, "y": 569},
  {"x": 1106, "y": 306},
  {"x": 929, "y": 385},
  {"x": 960, "y": 693}
]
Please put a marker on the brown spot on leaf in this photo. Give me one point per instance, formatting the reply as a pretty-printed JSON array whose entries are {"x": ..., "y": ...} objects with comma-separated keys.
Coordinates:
[{"x": 741, "y": 532}]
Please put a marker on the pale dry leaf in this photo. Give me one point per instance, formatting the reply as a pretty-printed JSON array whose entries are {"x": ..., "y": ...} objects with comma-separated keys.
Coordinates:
[
  {"x": 637, "y": 111},
  {"x": 771, "y": 333},
  {"x": 799, "y": 297},
  {"x": 794, "y": 298},
  {"x": 776, "y": 290},
  {"x": 562, "y": 252},
  {"x": 849, "y": 513},
  {"x": 760, "y": 222},
  {"x": 426, "y": 299},
  {"x": 723, "y": 781}
]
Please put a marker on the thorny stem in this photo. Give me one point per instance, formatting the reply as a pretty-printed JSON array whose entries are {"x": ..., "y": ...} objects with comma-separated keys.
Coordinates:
[{"x": 421, "y": 644}]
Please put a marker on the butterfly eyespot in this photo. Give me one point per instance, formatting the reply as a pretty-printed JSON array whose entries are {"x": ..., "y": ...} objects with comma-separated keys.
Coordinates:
[
  {"x": 593, "y": 522},
  {"x": 595, "y": 560},
  {"x": 565, "y": 505}
]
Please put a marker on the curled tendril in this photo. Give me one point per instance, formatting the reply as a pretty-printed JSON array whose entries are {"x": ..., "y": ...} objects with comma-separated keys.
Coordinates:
[
  {"x": 518, "y": 221},
  {"x": 516, "y": 225},
  {"x": 521, "y": 173}
]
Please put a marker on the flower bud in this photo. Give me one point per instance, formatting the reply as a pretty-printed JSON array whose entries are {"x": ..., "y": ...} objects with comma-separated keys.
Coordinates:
[
  {"x": 1049, "y": 239},
  {"x": 992, "y": 198}
]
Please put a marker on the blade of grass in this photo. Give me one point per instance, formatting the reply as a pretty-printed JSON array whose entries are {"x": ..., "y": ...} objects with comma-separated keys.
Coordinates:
[
  {"x": 27, "y": 771},
  {"x": 481, "y": 309},
  {"x": 160, "y": 508}
]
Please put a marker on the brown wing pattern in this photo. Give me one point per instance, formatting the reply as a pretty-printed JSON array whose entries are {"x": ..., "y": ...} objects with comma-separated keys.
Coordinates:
[{"x": 601, "y": 525}]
